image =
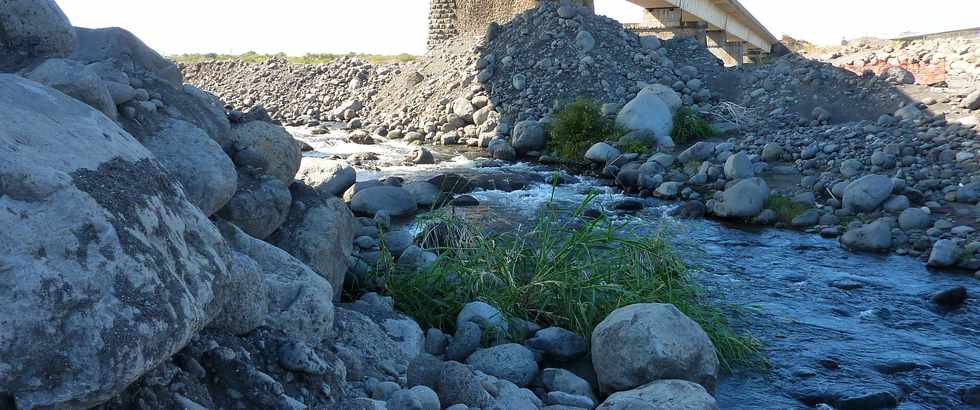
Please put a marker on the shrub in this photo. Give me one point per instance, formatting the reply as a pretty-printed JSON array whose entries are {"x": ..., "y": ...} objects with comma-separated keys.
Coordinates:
[
  {"x": 689, "y": 125},
  {"x": 636, "y": 147},
  {"x": 557, "y": 273},
  {"x": 786, "y": 210},
  {"x": 579, "y": 125}
]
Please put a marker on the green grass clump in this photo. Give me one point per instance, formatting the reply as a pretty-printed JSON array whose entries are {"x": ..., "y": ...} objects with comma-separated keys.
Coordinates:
[
  {"x": 558, "y": 273},
  {"x": 309, "y": 58},
  {"x": 577, "y": 126},
  {"x": 689, "y": 125},
  {"x": 786, "y": 210},
  {"x": 635, "y": 147}
]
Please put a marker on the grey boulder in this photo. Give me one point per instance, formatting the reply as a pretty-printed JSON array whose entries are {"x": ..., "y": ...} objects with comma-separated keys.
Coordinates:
[
  {"x": 395, "y": 201},
  {"x": 35, "y": 28},
  {"x": 647, "y": 111},
  {"x": 528, "y": 136},
  {"x": 77, "y": 81},
  {"x": 744, "y": 199},
  {"x": 127, "y": 52},
  {"x": 298, "y": 299},
  {"x": 277, "y": 152},
  {"x": 868, "y": 193},
  {"x": 641, "y": 343},
  {"x": 662, "y": 395},
  {"x": 327, "y": 176},
  {"x": 246, "y": 302},
  {"x": 558, "y": 343},
  {"x": 208, "y": 176},
  {"x": 319, "y": 231},
  {"x": 259, "y": 206},
  {"x": 512, "y": 362},
  {"x": 873, "y": 237},
  {"x": 108, "y": 269}
]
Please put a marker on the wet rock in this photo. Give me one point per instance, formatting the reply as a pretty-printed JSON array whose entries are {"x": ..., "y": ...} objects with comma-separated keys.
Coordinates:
[
  {"x": 641, "y": 343},
  {"x": 944, "y": 254},
  {"x": 423, "y": 156},
  {"x": 464, "y": 201},
  {"x": 950, "y": 298},
  {"x": 392, "y": 200},
  {"x": 689, "y": 210},
  {"x": 512, "y": 362},
  {"x": 874, "y": 237},
  {"x": 327, "y": 176},
  {"x": 426, "y": 195},
  {"x": 528, "y": 136},
  {"x": 662, "y": 395},
  {"x": 602, "y": 153},
  {"x": 871, "y": 401},
  {"x": 745, "y": 199},
  {"x": 500, "y": 149}
]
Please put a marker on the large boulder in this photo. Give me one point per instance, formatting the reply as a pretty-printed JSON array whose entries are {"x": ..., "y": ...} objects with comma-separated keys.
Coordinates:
[
  {"x": 528, "y": 136},
  {"x": 127, "y": 52},
  {"x": 393, "y": 200},
  {"x": 868, "y": 193},
  {"x": 647, "y": 111},
  {"x": 76, "y": 80},
  {"x": 327, "y": 176},
  {"x": 271, "y": 150},
  {"x": 873, "y": 237},
  {"x": 33, "y": 28},
  {"x": 197, "y": 162},
  {"x": 259, "y": 206},
  {"x": 641, "y": 343},
  {"x": 366, "y": 349},
  {"x": 667, "y": 95},
  {"x": 512, "y": 362},
  {"x": 744, "y": 199},
  {"x": 662, "y": 395},
  {"x": 298, "y": 299},
  {"x": 246, "y": 302},
  {"x": 108, "y": 269},
  {"x": 319, "y": 231}
]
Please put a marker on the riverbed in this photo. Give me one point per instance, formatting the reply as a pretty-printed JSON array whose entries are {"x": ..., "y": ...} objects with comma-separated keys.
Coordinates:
[{"x": 836, "y": 326}]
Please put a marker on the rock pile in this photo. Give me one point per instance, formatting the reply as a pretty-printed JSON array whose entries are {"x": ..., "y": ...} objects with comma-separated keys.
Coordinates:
[
  {"x": 523, "y": 70},
  {"x": 294, "y": 94},
  {"x": 958, "y": 58}
]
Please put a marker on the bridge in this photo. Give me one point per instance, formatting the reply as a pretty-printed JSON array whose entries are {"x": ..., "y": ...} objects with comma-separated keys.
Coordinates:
[{"x": 725, "y": 26}]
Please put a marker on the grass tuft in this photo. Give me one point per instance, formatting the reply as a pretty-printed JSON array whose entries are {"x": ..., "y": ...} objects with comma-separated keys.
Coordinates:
[
  {"x": 689, "y": 125},
  {"x": 563, "y": 271},
  {"x": 786, "y": 210},
  {"x": 577, "y": 126}
]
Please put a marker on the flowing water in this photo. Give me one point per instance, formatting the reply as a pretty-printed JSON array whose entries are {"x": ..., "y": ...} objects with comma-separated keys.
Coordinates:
[{"x": 835, "y": 325}]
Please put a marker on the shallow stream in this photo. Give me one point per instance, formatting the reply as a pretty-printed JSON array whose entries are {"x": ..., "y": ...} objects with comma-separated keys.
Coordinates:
[{"x": 837, "y": 327}]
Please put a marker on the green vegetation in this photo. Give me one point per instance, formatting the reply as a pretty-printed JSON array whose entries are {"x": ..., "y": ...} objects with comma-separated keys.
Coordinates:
[
  {"x": 556, "y": 273},
  {"x": 786, "y": 210},
  {"x": 311, "y": 58},
  {"x": 577, "y": 126},
  {"x": 689, "y": 125},
  {"x": 636, "y": 147}
]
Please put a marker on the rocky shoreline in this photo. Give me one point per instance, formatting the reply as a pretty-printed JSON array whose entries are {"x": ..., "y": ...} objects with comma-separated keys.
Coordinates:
[{"x": 167, "y": 248}]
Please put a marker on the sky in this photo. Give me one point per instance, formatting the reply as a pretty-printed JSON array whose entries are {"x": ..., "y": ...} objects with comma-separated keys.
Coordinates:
[{"x": 298, "y": 27}]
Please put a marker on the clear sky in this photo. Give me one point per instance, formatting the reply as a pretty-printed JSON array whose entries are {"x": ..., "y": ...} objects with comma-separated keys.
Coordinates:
[{"x": 397, "y": 26}]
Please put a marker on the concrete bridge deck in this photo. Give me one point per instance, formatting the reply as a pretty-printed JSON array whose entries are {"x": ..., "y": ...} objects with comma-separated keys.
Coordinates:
[{"x": 730, "y": 30}]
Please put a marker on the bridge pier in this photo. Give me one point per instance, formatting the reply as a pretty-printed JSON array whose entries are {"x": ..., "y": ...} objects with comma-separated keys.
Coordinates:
[{"x": 732, "y": 53}]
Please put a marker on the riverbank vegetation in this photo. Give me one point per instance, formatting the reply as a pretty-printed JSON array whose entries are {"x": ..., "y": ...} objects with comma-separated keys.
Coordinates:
[
  {"x": 309, "y": 58},
  {"x": 577, "y": 126},
  {"x": 566, "y": 270},
  {"x": 690, "y": 126}
]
